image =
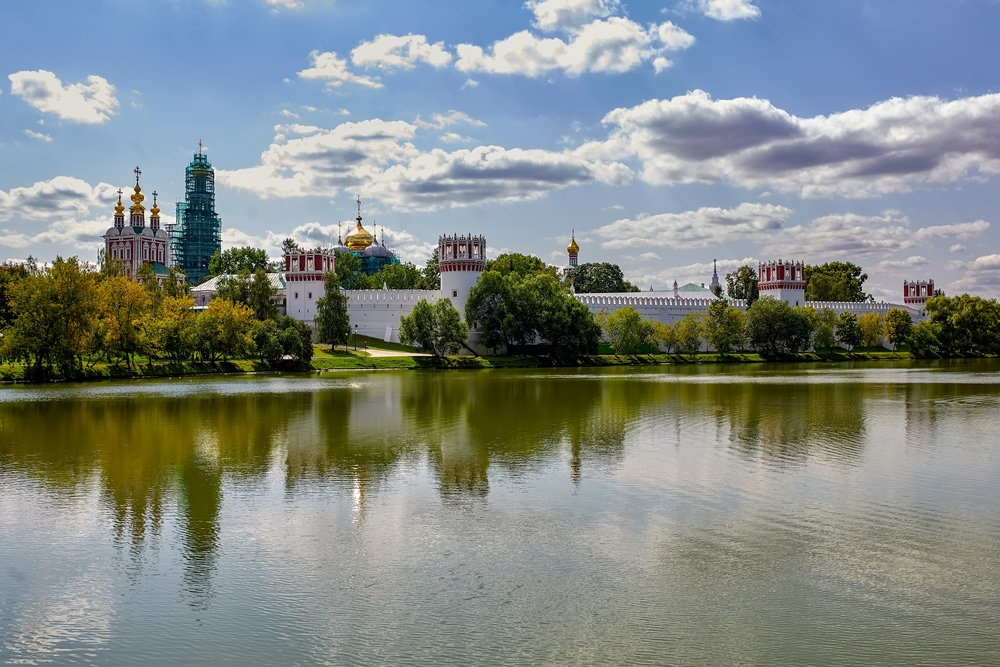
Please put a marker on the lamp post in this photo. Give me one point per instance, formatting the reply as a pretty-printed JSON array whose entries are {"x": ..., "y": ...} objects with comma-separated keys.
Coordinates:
[{"x": 355, "y": 337}]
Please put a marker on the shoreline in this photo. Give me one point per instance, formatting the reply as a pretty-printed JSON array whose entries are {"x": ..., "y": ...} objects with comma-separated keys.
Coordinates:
[{"x": 327, "y": 363}]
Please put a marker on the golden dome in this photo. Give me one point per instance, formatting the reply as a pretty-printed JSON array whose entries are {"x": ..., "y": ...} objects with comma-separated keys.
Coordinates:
[
  {"x": 137, "y": 198},
  {"x": 573, "y": 247},
  {"x": 155, "y": 211},
  {"x": 360, "y": 239},
  {"x": 119, "y": 207}
]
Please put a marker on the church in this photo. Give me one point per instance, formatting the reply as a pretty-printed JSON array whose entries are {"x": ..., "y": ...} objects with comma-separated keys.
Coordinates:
[{"x": 135, "y": 244}]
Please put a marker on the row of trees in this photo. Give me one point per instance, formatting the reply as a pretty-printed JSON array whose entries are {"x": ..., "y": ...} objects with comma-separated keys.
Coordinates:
[
  {"x": 70, "y": 315},
  {"x": 769, "y": 326},
  {"x": 957, "y": 325},
  {"x": 833, "y": 281}
]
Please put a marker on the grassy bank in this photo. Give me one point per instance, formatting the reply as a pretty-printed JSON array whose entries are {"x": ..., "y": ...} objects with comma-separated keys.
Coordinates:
[{"x": 325, "y": 359}]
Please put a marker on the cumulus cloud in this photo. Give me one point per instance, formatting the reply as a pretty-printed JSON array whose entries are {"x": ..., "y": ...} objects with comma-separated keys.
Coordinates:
[
  {"x": 888, "y": 147},
  {"x": 91, "y": 102},
  {"x": 962, "y": 230},
  {"x": 727, "y": 10},
  {"x": 275, "y": 5},
  {"x": 662, "y": 278},
  {"x": 440, "y": 121},
  {"x": 62, "y": 196},
  {"x": 613, "y": 44},
  {"x": 982, "y": 277},
  {"x": 568, "y": 14},
  {"x": 958, "y": 247},
  {"x": 379, "y": 158},
  {"x": 699, "y": 228},
  {"x": 391, "y": 52},
  {"x": 846, "y": 235},
  {"x": 41, "y": 136},
  {"x": 317, "y": 235},
  {"x": 911, "y": 262},
  {"x": 332, "y": 69}
]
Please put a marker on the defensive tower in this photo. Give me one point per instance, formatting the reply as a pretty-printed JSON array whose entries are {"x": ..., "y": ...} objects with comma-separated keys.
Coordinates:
[
  {"x": 460, "y": 259},
  {"x": 916, "y": 292},
  {"x": 784, "y": 280}
]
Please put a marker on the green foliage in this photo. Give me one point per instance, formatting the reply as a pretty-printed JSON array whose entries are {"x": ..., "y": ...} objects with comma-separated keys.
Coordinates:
[
  {"x": 333, "y": 324},
  {"x": 526, "y": 309},
  {"x": 438, "y": 328},
  {"x": 723, "y": 326},
  {"x": 522, "y": 265},
  {"x": 289, "y": 245},
  {"x": 397, "y": 276},
  {"x": 223, "y": 330},
  {"x": 10, "y": 275},
  {"x": 847, "y": 330},
  {"x": 923, "y": 340},
  {"x": 870, "y": 329},
  {"x": 598, "y": 277},
  {"x": 627, "y": 331},
  {"x": 235, "y": 260},
  {"x": 348, "y": 270},
  {"x": 688, "y": 331},
  {"x": 432, "y": 272},
  {"x": 742, "y": 284},
  {"x": 965, "y": 324},
  {"x": 835, "y": 281},
  {"x": 898, "y": 325},
  {"x": 252, "y": 290},
  {"x": 665, "y": 336},
  {"x": 776, "y": 328}
]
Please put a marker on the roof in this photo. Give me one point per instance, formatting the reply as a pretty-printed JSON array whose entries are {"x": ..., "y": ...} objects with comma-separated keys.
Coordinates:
[
  {"x": 693, "y": 288},
  {"x": 159, "y": 269},
  {"x": 212, "y": 284}
]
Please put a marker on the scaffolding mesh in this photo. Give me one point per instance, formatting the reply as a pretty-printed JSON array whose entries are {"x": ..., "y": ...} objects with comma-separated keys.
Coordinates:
[{"x": 197, "y": 234}]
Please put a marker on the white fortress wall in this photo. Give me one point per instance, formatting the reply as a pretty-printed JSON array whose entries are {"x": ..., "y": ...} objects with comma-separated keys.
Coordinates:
[{"x": 376, "y": 312}]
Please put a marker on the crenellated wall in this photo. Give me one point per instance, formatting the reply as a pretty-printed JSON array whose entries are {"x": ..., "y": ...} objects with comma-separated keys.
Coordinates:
[{"x": 376, "y": 312}]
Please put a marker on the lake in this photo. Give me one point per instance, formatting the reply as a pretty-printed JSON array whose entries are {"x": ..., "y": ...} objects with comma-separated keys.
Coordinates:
[{"x": 761, "y": 513}]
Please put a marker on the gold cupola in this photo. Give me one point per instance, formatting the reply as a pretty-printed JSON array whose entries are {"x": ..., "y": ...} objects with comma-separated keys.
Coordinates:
[
  {"x": 573, "y": 247},
  {"x": 360, "y": 239},
  {"x": 119, "y": 207}
]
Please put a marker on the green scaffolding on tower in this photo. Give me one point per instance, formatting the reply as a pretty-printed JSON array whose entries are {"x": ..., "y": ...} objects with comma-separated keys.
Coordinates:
[{"x": 197, "y": 234}]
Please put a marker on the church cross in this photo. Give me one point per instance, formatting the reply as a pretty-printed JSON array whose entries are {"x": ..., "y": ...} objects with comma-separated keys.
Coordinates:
[
  {"x": 199, "y": 145},
  {"x": 137, "y": 172}
]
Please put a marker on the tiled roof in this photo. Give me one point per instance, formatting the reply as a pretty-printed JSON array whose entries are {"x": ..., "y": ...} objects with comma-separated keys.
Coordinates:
[{"x": 212, "y": 284}]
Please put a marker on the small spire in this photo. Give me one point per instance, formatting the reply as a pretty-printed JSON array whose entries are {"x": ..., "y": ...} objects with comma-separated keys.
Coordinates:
[
  {"x": 358, "y": 199},
  {"x": 199, "y": 145},
  {"x": 119, "y": 207},
  {"x": 155, "y": 211},
  {"x": 339, "y": 241},
  {"x": 137, "y": 173}
]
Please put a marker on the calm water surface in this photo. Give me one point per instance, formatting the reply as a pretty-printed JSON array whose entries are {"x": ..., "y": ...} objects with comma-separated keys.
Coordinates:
[{"x": 753, "y": 514}]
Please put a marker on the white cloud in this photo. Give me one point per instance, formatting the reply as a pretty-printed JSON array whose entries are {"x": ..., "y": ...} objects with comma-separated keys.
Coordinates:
[
  {"x": 662, "y": 279},
  {"x": 342, "y": 112},
  {"x": 706, "y": 226},
  {"x": 958, "y": 247},
  {"x": 440, "y": 121},
  {"x": 378, "y": 158},
  {"x": 727, "y": 10},
  {"x": 469, "y": 83},
  {"x": 59, "y": 197},
  {"x": 843, "y": 236},
  {"x": 888, "y": 147},
  {"x": 912, "y": 262},
  {"x": 962, "y": 230},
  {"x": 568, "y": 14},
  {"x": 982, "y": 277},
  {"x": 41, "y": 136},
  {"x": 390, "y": 52},
  {"x": 285, "y": 4},
  {"x": 316, "y": 235},
  {"x": 612, "y": 44},
  {"x": 91, "y": 102},
  {"x": 454, "y": 138},
  {"x": 288, "y": 114},
  {"x": 333, "y": 70}
]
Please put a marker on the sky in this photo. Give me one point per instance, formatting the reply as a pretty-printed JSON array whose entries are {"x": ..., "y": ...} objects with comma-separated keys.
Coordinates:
[{"x": 665, "y": 134}]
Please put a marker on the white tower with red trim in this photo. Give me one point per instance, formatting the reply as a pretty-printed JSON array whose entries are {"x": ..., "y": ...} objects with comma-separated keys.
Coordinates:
[
  {"x": 304, "y": 271},
  {"x": 916, "y": 292},
  {"x": 784, "y": 280},
  {"x": 460, "y": 259}
]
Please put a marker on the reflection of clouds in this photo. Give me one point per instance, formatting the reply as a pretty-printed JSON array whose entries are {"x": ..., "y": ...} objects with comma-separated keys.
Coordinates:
[{"x": 72, "y": 615}]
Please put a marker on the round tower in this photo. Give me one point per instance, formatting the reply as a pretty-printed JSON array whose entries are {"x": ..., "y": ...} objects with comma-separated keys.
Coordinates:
[
  {"x": 784, "y": 280},
  {"x": 460, "y": 259},
  {"x": 916, "y": 292}
]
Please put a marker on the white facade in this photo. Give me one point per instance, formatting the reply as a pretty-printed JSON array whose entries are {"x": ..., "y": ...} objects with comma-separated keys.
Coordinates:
[
  {"x": 376, "y": 312},
  {"x": 304, "y": 271},
  {"x": 783, "y": 280},
  {"x": 136, "y": 244},
  {"x": 460, "y": 260}
]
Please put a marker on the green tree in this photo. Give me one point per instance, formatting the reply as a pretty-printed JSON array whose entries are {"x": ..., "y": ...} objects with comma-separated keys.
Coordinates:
[
  {"x": 450, "y": 332},
  {"x": 289, "y": 245},
  {"x": 348, "y": 270},
  {"x": 923, "y": 340},
  {"x": 688, "y": 331},
  {"x": 417, "y": 328},
  {"x": 124, "y": 311},
  {"x": 223, "y": 330},
  {"x": 665, "y": 336},
  {"x": 267, "y": 345},
  {"x": 722, "y": 326},
  {"x": 847, "y": 330},
  {"x": 295, "y": 338},
  {"x": 432, "y": 273},
  {"x": 836, "y": 281},
  {"x": 173, "y": 327},
  {"x": 870, "y": 328},
  {"x": 523, "y": 265},
  {"x": 333, "y": 324},
  {"x": 254, "y": 291},
  {"x": 742, "y": 284},
  {"x": 627, "y": 331},
  {"x": 176, "y": 283},
  {"x": 898, "y": 325},
  {"x": 965, "y": 324},
  {"x": 776, "y": 328},
  {"x": 397, "y": 276},
  {"x": 598, "y": 277},
  {"x": 10, "y": 275},
  {"x": 235, "y": 260}
]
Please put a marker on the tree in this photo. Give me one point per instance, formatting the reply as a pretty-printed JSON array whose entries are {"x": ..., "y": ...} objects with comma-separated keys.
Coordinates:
[
  {"x": 836, "y": 281},
  {"x": 289, "y": 245},
  {"x": 255, "y": 291},
  {"x": 223, "y": 330},
  {"x": 432, "y": 273},
  {"x": 348, "y": 270},
  {"x": 172, "y": 329},
  {"x": 776, "y": 328},
  {"x": 742, "y": 284},
  {"x": 688, "y": 334},
  {"x": 10, "y": 275},
  {"x": 333, "y": 324},
  {"x": 175, "y": 285},
  {"x": 847, "y": 330},
  {"x": 598, "y": 277},
  {"x": 722, "y": 326},
  {"x": 923, "y": 340},
  {"x": 898, "y": 325},
  {"x": 397, "y": 276},
  {"x": 123, "y": 309},
  {"x": 870, "y": 328},
  {"x": 665, "y": 336},
  {"x": 965, "y": 324},
  {"x": 438, "y": 329},
  {"x": 295, "y": 338},
  {"x": 235, "y": 260},
  {"x": 267, "y": 346},
  {"x": 523, "y": 265},
  {"x": 627, "y": 331}
]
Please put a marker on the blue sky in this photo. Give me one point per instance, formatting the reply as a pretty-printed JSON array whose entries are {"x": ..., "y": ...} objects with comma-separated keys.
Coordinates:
[{"x": 666, "y": 134}]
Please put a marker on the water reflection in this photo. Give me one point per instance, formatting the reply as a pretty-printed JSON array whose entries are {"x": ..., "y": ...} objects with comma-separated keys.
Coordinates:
[{"x": 149, "y": 453}]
